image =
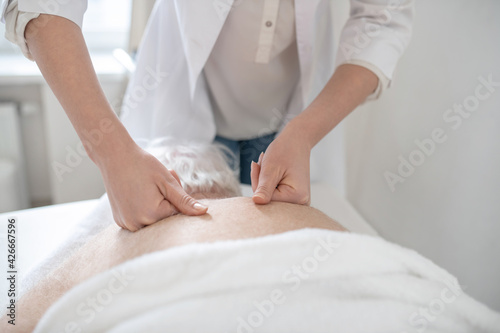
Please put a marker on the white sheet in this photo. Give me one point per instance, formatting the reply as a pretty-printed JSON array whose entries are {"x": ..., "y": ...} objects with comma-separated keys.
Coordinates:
[
  {"x": 47, "y": 235},
  {"x": 310, "y": 280}
]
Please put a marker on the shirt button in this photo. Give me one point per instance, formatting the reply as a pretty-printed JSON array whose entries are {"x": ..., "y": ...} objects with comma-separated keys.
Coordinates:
[{"x": 269, "y": 23}]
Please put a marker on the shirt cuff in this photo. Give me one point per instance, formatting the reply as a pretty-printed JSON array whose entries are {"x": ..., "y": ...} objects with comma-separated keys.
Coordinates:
[
  {"x": 15, "y": 24},
  {"x": 383, "y": 81},
  {"x": 17, "y": 13}
]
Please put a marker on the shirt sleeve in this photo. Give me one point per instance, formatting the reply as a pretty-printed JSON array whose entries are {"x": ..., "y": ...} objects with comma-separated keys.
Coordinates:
[
  {"x": 17, "y": 13},
  {"x": 375, "y": 37}
]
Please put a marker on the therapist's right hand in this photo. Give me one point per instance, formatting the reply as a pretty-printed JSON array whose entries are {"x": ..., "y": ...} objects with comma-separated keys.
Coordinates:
[{"x": 143, "y": 191}]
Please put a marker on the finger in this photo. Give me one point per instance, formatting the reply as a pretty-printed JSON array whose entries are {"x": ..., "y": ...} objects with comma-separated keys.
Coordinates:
[
  {"x": 254, "y": 175},
  {"x": 165, "y": 209},
  {"x": 287, "y": 193},
  {"x": 176, "y": 176},
  {"x": 130, "y": 225},
  {"x": 182, "y": 201},
  {"x": 119, "y": 220},
  {"x": 269, "y": 178}
]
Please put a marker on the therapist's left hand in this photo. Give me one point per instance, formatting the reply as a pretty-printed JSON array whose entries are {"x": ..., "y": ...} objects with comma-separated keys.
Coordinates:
[{"x": 282, "y": 173}]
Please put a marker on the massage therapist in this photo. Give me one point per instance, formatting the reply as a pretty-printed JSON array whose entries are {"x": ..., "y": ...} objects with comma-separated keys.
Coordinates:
[{"x": 260, "y": 75}]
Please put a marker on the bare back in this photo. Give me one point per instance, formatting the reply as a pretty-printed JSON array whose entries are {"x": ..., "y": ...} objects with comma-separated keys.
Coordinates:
[{"x": 227, "y": 219}]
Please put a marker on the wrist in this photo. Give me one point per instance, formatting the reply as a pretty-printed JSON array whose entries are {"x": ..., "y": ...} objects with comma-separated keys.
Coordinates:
[
  {"x": 299, "y": 129},
  {"x": 303, "y": 130},
  {"x": 109, "y": 140}
]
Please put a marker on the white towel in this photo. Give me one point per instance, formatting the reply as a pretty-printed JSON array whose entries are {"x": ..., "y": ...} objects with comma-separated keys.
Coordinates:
[{"x": 309, "y": 280}]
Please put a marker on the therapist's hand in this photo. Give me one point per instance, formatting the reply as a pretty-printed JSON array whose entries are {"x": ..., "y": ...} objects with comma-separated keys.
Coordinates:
[
  {"x": 282, "y": 173},
  {"x": 142, "y": 191}
]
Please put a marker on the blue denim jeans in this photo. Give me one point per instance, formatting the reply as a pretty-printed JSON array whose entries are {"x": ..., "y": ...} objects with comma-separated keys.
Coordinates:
[{"x": 245, "y": 151}]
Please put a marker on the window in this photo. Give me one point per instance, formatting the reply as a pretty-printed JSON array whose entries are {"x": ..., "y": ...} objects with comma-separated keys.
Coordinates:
[
  {"x": 105, "y": 27},
  {"x": 106, "y": 24}
]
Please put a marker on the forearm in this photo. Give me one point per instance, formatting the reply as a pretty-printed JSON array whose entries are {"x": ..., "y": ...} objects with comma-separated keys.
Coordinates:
[
  {"x": 348, "y": 87},
  {"x": 58, "y": 47}
]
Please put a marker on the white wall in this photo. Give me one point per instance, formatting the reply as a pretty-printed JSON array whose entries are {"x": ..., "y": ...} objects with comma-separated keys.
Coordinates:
[
  {"x": 327, "y": 157},
  {"x": 448, "y": 208},
  {"x": 72, "y": 174}
]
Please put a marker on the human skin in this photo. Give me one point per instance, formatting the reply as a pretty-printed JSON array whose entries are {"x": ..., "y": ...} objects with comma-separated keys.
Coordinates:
[
  {"x": 140, "y": 189},
  {"x": 59, "y": 49},
  {"x": 227, "y": 219},
  {"x": 284, "y": 169}
]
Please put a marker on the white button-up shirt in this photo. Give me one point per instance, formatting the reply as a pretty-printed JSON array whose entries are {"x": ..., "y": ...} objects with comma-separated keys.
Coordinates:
[
  {"x": 253, "y": 68},
  {"x": 181, "y": 35}
]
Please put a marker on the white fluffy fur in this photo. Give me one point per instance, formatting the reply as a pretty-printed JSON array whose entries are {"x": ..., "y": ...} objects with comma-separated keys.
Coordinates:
[{"x": 202, "y": 168}]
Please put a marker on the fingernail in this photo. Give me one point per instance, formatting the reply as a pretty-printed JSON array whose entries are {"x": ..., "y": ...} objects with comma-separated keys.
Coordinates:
[
  {"x": 258, "y": 195},
  {"x": 199, "y": 206}
]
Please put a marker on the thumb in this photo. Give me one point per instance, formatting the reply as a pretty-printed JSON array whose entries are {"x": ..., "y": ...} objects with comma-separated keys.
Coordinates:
[
  {"x": 268, "y": 180},
  {"x": 165, "y": 209},
  {"x": 183, "y": 202}
]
